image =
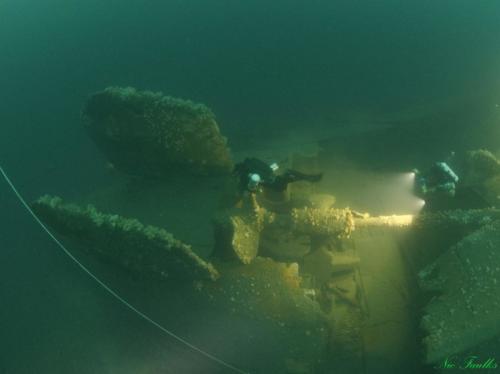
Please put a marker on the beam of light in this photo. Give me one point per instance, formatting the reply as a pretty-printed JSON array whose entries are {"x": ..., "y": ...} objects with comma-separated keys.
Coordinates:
[
  {"x": 409, "y": 179},
  {"x": 400, "y": 194},
  {"x": 394, "y": 220},
  {"x": 419, "y": 205},
  {"x": 405, "y": 180}
]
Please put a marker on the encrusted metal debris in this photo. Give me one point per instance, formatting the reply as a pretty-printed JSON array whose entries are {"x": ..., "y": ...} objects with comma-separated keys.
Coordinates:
[
  {"x": 148, "y": 134},
  {"x": 147, "y": 250}
]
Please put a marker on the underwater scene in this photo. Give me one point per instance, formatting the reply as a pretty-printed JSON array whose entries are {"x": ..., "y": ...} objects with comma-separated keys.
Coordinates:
[{"x": 261, "y": 187}]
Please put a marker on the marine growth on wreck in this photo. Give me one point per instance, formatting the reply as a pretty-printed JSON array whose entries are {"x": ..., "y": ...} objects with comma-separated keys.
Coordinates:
[{"x": 293, "y": 260}]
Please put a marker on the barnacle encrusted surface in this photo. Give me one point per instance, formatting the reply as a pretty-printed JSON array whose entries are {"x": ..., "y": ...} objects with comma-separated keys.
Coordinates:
[
  {"x": 147, "y": 133},
  {"x": 237, "y": 231},
  {"x": 479, "y": 165},
  {"x": 148, "y": 250},
  {"x": 467, "y": 280},
  {"x": 270, "y": 292},
  {"x": 330, "y": 221},
  {"x": 466, "y": 219}
]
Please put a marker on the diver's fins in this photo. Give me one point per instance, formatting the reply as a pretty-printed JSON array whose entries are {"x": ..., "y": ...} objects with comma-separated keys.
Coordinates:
[{"x": 294, "y": 176}]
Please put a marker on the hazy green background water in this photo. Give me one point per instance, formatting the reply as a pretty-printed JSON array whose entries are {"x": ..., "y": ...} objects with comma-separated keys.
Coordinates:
[
  {"x": 255, "y": 63},
  {"x": 283, "y": 64}
]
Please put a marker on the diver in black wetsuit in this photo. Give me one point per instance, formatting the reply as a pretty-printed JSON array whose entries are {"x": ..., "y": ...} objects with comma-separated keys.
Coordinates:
[
  {"x": 255, "y": 174},
  {"x": 439, "y": 180}
]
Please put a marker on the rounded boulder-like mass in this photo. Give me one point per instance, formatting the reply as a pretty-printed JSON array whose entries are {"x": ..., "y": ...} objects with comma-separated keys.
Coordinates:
[{"x": 144, "y": 133}]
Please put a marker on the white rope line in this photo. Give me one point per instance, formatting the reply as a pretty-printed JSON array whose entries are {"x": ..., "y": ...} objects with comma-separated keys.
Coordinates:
[{"x": 108, "y": 289}]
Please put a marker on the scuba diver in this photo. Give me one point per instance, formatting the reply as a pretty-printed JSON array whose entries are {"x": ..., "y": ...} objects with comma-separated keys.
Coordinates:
[
  {"x": 439, "y": 180},
  {"x": 437, "y": 185},
  {"x": 255, "y": 175}
]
